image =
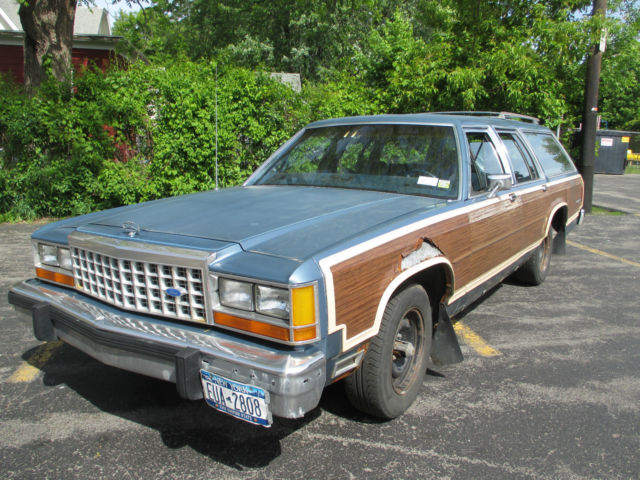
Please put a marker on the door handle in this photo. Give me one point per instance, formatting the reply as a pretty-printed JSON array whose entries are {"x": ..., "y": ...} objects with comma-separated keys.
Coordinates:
[
  {"x": 512, "y": 197},
  {"x": 544, "y": 188}
]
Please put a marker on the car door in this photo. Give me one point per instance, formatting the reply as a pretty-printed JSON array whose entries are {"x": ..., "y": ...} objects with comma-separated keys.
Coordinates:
[
  {"x": 491, "y": 218},
  {"x": 528, "y": 189}
]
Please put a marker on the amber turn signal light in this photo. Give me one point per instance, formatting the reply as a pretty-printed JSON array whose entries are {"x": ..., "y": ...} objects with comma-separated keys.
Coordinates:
[
  {"x": 55, "y": 277},
  {"x": 251, "y": 326},
  {"x": 303, "y": 306}
]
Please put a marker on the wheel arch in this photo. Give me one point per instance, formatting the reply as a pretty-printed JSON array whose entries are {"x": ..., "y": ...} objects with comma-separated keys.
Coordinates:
[
  {"x": 557, "y": 218},
  {"x": 434, "y": 275},
  {"x": 425, "y": 265}
]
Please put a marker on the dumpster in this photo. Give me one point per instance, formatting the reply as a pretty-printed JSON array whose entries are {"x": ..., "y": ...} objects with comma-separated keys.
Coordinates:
[{"x": 613, "y": 147}]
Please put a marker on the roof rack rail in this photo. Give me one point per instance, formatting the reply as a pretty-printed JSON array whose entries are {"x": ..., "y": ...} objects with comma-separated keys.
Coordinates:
[{"x": 503, "y": 115}]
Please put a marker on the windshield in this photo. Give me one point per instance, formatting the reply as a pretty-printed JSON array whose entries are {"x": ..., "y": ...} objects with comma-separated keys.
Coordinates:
[{"x": 408, "y": 159}]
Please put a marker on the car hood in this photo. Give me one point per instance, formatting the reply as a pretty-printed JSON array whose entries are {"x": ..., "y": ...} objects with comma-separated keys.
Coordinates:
[{"x": 284, "y": 221}]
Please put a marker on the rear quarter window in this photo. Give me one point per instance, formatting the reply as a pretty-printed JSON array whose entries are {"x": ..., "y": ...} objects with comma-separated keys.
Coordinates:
[{"x": 550, "y": 154}]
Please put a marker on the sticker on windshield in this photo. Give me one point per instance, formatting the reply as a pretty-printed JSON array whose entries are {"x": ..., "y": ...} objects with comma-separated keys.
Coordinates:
[
  {"x": 428, "y": 181},
  {"x": 444, "y": 183}
]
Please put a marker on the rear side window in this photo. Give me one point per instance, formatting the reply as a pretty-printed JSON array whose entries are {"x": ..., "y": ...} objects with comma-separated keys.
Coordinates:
[
  {"x": 550, "y": 154},
  {"x": 521, "y": 162}
]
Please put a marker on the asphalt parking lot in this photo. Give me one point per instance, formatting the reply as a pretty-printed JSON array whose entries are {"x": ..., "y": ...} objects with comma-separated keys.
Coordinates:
[{"x": 550, "y": 388}]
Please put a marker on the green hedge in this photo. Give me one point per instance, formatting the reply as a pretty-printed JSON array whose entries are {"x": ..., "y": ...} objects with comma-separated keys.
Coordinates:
[
  {"x": 148, "y": 131},
  {"x": 138, "y": 134}
]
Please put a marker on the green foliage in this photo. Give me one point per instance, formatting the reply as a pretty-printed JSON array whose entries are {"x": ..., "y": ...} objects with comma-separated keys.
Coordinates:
[
  {"x": 455, "y": 55},
  {"x": 343, "y": 96},
  {"x": 149, "y": 131},
  {"x": 525, "y": 55},
  {"x": 620, "y": 78},
  {"x": 255, "y": 115},
  {"x": 52, "y": 149},
  {"x": 400, "y": 68},
  {"x": 67, "y": 155},
  {"x": 311, "y": 38}
]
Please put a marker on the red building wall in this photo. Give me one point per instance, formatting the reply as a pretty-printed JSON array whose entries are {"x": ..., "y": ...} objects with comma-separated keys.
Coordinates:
[
  {"x": 84, "y": 57},
  {"x": 12, "y": 60}
]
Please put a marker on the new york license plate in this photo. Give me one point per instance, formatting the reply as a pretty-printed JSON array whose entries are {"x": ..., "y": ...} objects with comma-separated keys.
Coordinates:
[{"x": 247, "y": 402}]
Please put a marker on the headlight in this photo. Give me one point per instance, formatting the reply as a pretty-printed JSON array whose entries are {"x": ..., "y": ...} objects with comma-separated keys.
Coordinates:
[
  {"x": 53, "y": 263},
  {"x": 274, "y": 312},
  {"x": 235, "y": 294},
  {"x": 272, "y": 301},
  {"x": 48, "y": 254},
  {"x": 64, "y": 258},
  {"x": 54, "y": 256}
]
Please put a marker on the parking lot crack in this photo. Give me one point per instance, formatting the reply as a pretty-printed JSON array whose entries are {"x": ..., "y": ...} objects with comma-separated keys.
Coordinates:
[{"x": 448, "y": 458}]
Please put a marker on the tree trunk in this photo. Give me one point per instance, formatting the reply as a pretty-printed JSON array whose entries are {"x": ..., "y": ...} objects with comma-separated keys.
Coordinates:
[{"x": 48, "y": 40}]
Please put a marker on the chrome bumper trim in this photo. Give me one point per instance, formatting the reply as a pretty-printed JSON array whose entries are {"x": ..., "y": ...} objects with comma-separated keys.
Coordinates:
[{"x": 170, "y": 351}]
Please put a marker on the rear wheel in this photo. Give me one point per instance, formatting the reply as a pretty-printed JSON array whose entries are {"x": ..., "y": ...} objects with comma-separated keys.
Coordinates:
[
  {"x": 392, "y": 371},
  {"x": 535, "y": 270}
]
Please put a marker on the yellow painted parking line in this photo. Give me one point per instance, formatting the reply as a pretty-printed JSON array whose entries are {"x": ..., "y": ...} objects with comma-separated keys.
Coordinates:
[
  {"x": 604, "y": 254},
  {"x": 475, "y": 341},
  {"x": 30, "y": 368}
]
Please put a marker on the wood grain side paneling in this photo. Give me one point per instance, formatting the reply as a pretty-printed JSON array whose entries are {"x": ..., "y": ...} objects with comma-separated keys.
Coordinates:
[
  {"x": 360, "y": 281},
  {"x": 575, "y": 196},
  {"x": 476, "y": 242}
]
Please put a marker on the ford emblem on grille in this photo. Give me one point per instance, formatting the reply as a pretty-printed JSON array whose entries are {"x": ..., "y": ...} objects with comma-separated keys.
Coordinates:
[
  {"x": 175, "y": 292},
  {"x": 131, "y": 228}
]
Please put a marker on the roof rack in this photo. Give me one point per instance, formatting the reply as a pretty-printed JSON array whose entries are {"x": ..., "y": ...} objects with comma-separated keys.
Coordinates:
[{"x": 503, "y": 115}]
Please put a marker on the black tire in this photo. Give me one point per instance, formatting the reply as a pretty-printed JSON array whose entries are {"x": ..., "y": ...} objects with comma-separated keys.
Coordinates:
[
  {"x": 393, "y": 368},
  {"x": 535, "y": 270}
]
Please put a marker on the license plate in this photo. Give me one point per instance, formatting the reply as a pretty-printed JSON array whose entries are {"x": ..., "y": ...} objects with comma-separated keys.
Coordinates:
[{"x": 247, "y": 402}]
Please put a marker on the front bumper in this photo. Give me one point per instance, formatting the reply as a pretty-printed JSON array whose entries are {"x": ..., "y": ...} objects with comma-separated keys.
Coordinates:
[{"x": 172, "y": 351}]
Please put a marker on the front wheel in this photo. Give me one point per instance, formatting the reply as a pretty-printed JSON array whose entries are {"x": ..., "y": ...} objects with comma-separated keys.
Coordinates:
[{"x": 392, "y": 371}]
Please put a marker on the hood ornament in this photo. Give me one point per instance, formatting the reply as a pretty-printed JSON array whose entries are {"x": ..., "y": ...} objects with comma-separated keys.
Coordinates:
[{"x": 131, "y": 229}]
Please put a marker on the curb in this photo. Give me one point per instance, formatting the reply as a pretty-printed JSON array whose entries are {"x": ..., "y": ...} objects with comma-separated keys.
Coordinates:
[{"x": 616, "y": 210}]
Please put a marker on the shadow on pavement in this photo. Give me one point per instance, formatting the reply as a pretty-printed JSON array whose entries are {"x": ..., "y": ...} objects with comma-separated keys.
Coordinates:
[{"x": 155, "y": 404}]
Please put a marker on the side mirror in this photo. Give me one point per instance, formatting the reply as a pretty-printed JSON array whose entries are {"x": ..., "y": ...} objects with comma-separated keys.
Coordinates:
[{"x": 497, "y": 182}]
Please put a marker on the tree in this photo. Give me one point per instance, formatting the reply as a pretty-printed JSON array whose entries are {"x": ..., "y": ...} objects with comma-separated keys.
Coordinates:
[
  {"x": 464, "y": 55},
  {"x": 48, "y": 39},
  {"x": 526, "y": 56},
  {"x": 620, "y": 79},
  {"x": 309, "y": 37}
]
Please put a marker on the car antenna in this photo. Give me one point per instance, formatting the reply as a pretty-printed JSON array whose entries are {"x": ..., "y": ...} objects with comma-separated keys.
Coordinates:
[{"x": 216, "y": 125}]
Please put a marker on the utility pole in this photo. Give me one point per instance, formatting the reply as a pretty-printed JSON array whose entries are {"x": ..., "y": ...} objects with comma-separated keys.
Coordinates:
[{"x": 590, "y": 113}]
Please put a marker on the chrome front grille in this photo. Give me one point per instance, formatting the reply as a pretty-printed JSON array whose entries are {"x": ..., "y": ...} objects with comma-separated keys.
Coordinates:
[{"x": 141, "y": 286}]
